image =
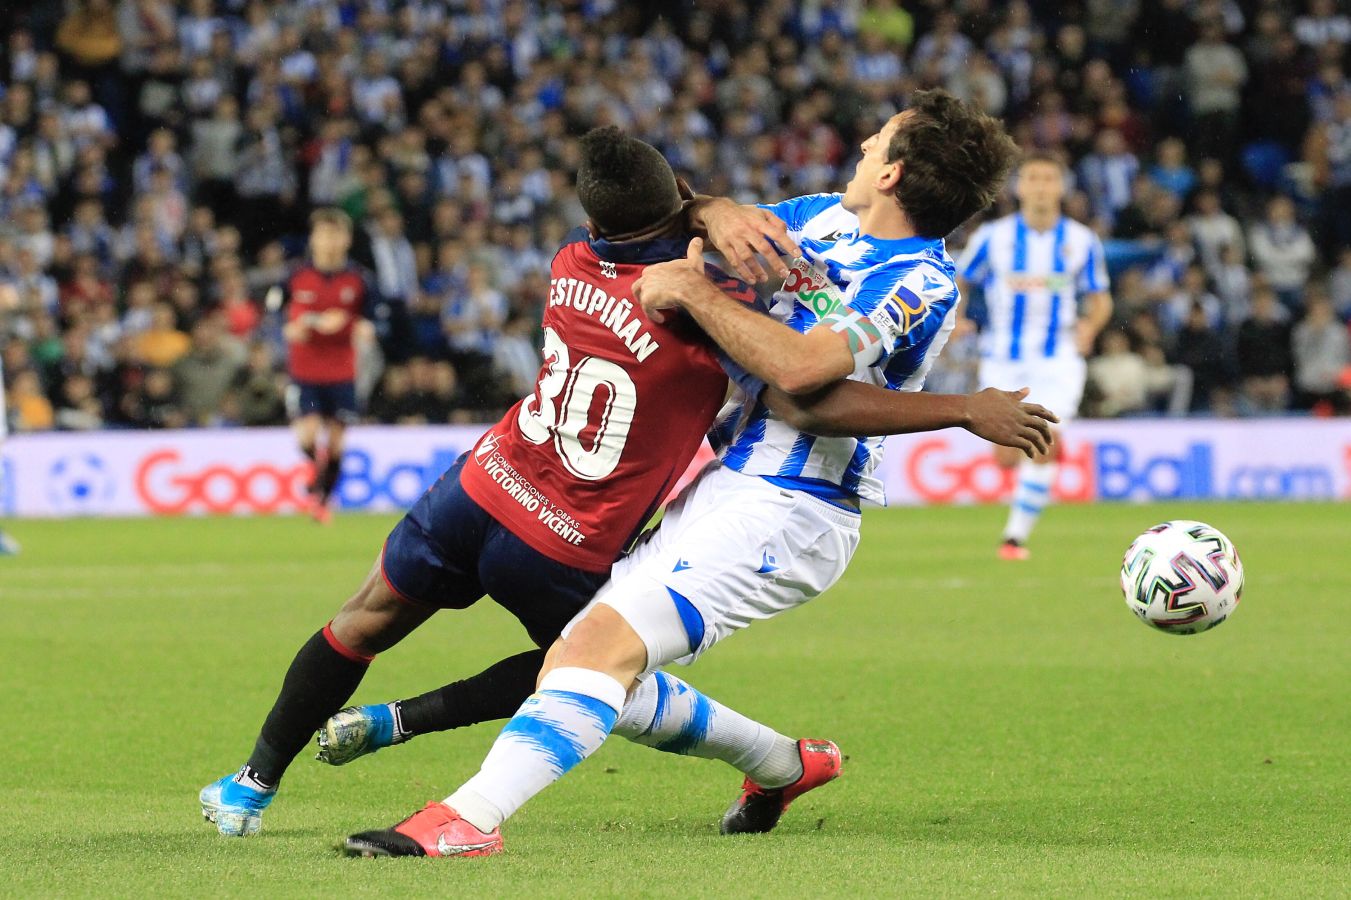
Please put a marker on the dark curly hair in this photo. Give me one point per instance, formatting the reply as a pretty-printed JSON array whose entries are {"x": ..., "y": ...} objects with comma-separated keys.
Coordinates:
[
  {"x": 624, "y": 185},
  {"x": 955, "y": 157}
]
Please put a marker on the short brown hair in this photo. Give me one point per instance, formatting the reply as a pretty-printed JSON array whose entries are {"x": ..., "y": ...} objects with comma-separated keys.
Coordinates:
[
  {"x": 1043, "y": 156},
  {"x": 331, "y": 215},
  {"x": 956, "y": 158}
]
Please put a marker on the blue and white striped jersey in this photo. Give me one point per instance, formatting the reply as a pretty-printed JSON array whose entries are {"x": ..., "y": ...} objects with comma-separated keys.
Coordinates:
[
  {"x": 907, "y": 288},
  {"x": 1033, "y": 281}
]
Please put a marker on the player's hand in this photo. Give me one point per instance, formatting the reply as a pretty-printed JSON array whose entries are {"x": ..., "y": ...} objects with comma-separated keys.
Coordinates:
[
  {"x": 741, "y": 234},
  {"x": 1002, "y": 417},
  {"x": 330, "y": 321},
  {"x": 666, "y": 285}
]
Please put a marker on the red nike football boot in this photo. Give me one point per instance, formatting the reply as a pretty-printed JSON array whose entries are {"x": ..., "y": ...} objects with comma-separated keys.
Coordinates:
[
  {"x": 434, "y": 830},
  {"x": 758, "y": 809}
]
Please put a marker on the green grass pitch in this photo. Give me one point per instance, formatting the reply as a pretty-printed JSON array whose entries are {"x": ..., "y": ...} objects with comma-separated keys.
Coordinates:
[{"x": 1010, "y": 728}]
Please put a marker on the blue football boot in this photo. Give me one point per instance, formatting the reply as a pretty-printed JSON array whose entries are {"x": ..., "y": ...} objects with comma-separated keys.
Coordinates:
[
  {"x": 237, "y": 809},
  {"x": 354, "y": 732}
]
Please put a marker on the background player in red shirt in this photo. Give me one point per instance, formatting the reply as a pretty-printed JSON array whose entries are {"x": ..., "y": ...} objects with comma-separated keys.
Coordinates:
[
  {"x": 537, "y": 512},
  {"x": 325, "y": 302}
]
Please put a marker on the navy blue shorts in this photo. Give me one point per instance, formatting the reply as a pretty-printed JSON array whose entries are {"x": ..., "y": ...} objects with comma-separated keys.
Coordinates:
[
  {"x": 447, "y": 552},
  {"x": 332, "y": 401}
]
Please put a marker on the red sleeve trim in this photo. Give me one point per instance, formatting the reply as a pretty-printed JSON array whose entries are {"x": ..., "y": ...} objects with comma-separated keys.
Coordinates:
[{"x": 342, "y": 649}]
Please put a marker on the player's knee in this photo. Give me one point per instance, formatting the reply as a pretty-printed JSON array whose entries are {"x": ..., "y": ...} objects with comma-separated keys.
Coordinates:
[{"x": 604, "y": 642}]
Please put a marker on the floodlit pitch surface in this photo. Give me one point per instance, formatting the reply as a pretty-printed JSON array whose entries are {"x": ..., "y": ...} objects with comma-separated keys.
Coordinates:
[{"x": 1009, "y": 728}]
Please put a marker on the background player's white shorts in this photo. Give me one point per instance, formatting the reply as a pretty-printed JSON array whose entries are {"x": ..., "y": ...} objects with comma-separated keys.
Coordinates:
[
  {"x": 1057, "y": 383},
  {"x": 731, "y": 549}
]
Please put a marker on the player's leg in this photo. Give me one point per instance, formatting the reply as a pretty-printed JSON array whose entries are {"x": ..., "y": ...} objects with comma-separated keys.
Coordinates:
[
  {"x": 340, "y": 410},
  {"x": 669, "y": 714},
  {"x": 415, "y": 576},
  {"x": 322, "y": 677},
  {"x": 1057, "y": 385},
  {"x": 303, "y": 409},
  {"x": 588, "y": 672}
]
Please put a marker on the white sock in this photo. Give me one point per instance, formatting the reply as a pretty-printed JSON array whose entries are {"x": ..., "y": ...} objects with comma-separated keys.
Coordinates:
[
  {"x": 668, "y": 714},
  {"x": 1029, "y": 499},
  {"x": 560, "y": 725}
]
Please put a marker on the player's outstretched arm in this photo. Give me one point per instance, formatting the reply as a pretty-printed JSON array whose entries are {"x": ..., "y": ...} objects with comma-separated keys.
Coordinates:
[{"x": 851, "y": 408}]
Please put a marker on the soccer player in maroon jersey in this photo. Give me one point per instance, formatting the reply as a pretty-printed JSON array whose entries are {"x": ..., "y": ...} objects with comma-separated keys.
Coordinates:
[
  {"x": 537, "y": 512},
  {"x": 325, "y": 302}
]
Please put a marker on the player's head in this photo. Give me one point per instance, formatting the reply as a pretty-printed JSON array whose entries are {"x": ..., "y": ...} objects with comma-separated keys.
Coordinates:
[
  {"x": 1040, "y": 183},
  {"x": 942, "y": 161},
  {"x": 330, "y": 236},
  {"x": 626, "y": 186}
]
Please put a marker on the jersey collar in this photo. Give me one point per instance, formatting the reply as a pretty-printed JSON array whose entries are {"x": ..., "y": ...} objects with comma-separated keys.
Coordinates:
[
  {"x": 641, "y": 252},
  {"x": 900, "y": 246}
]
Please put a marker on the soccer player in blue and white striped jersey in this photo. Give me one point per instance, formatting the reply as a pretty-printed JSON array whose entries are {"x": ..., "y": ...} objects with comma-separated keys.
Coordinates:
[
  {"x": 776, "y": 522},
  {"x": 1046, "y": 298}
]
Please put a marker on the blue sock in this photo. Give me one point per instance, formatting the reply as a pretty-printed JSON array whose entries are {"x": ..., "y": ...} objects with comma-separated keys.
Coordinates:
[
  {"x": 560, "y": 725},
  {"x": 670, "y": 715},
  {"x": 1029, "y": 499}
]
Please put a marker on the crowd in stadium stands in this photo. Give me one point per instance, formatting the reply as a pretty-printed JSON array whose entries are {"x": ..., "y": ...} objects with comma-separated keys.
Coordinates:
[{"x": 158, "y": 162}]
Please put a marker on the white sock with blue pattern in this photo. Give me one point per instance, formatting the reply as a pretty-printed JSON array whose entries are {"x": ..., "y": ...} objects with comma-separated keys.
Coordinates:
[
  {"x": 668, "y": 714},
  {"x": 1029, "y": 499},
  {"x": 560, "y": 725}
]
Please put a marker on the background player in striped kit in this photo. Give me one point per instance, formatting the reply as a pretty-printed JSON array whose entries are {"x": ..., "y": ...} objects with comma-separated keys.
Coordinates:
[{"x": 1046, "y": 298}]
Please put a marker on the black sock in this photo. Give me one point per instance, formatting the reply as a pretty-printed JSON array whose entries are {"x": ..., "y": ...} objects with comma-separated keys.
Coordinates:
[
  {"x": 495, "y": 693},
  {"x": 312, "y": 454},
  {"x": 316, "y": 686},
  {"x": 328, "y": 479}
]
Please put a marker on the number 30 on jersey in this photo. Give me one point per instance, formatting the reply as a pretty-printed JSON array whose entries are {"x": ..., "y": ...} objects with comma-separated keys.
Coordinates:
[{"x": 565, "y": 404}]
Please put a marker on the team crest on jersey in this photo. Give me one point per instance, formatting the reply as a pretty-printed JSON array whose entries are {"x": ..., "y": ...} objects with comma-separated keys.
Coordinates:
[
  {"x": 608, "y": 269},
  {"x": 306, "y": 296},
  {"x": 347, "y": 294}
]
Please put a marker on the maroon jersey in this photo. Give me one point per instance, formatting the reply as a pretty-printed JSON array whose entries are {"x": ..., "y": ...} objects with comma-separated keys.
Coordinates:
[
  {"x": 620, "y": 408},
  {"x": 325, "y": 358}
]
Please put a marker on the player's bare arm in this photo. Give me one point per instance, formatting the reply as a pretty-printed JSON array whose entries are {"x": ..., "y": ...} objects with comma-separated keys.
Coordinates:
[
  {"x": 741, "y": 233},
  {"x": 850, "y": 408},
  {"x": 793, "y": 362},
  {"x": 1097, "y": 312}
]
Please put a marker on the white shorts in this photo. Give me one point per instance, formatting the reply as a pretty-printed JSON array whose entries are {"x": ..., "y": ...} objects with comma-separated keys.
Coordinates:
[
  {"x": 731, "y": 549},
  {"x": 1057, "y": 383}
]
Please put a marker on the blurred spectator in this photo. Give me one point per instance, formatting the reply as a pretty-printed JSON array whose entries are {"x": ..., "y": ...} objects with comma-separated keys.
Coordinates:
[
  {"x": 1214, "y": 231},
  {"x": 1322, "y": 351},
  {"x": 258, "y": 389},
  {"x": 1199, "y": 348},
  {"x": 27, "y": 403},
  {"x": 1283, "y": 251},
  {"x": 1108, "y": 174},
  {"x": 204, "y": 375},
  {"x": 79, "y": 409},
  {"x": 1117, "y": 376},
  {"x": 1340, "y": 285},
  {"x": 1170, "y": 171},
  {"x": 515, "y": 359},
  {"x": 1264, "y": 358},
  {"x": 162, "y": 344},
  {"x": 1216, "y": 73}
]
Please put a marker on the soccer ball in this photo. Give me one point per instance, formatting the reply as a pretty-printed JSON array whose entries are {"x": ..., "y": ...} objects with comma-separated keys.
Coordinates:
[{"x": 1182, "y": 577}]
